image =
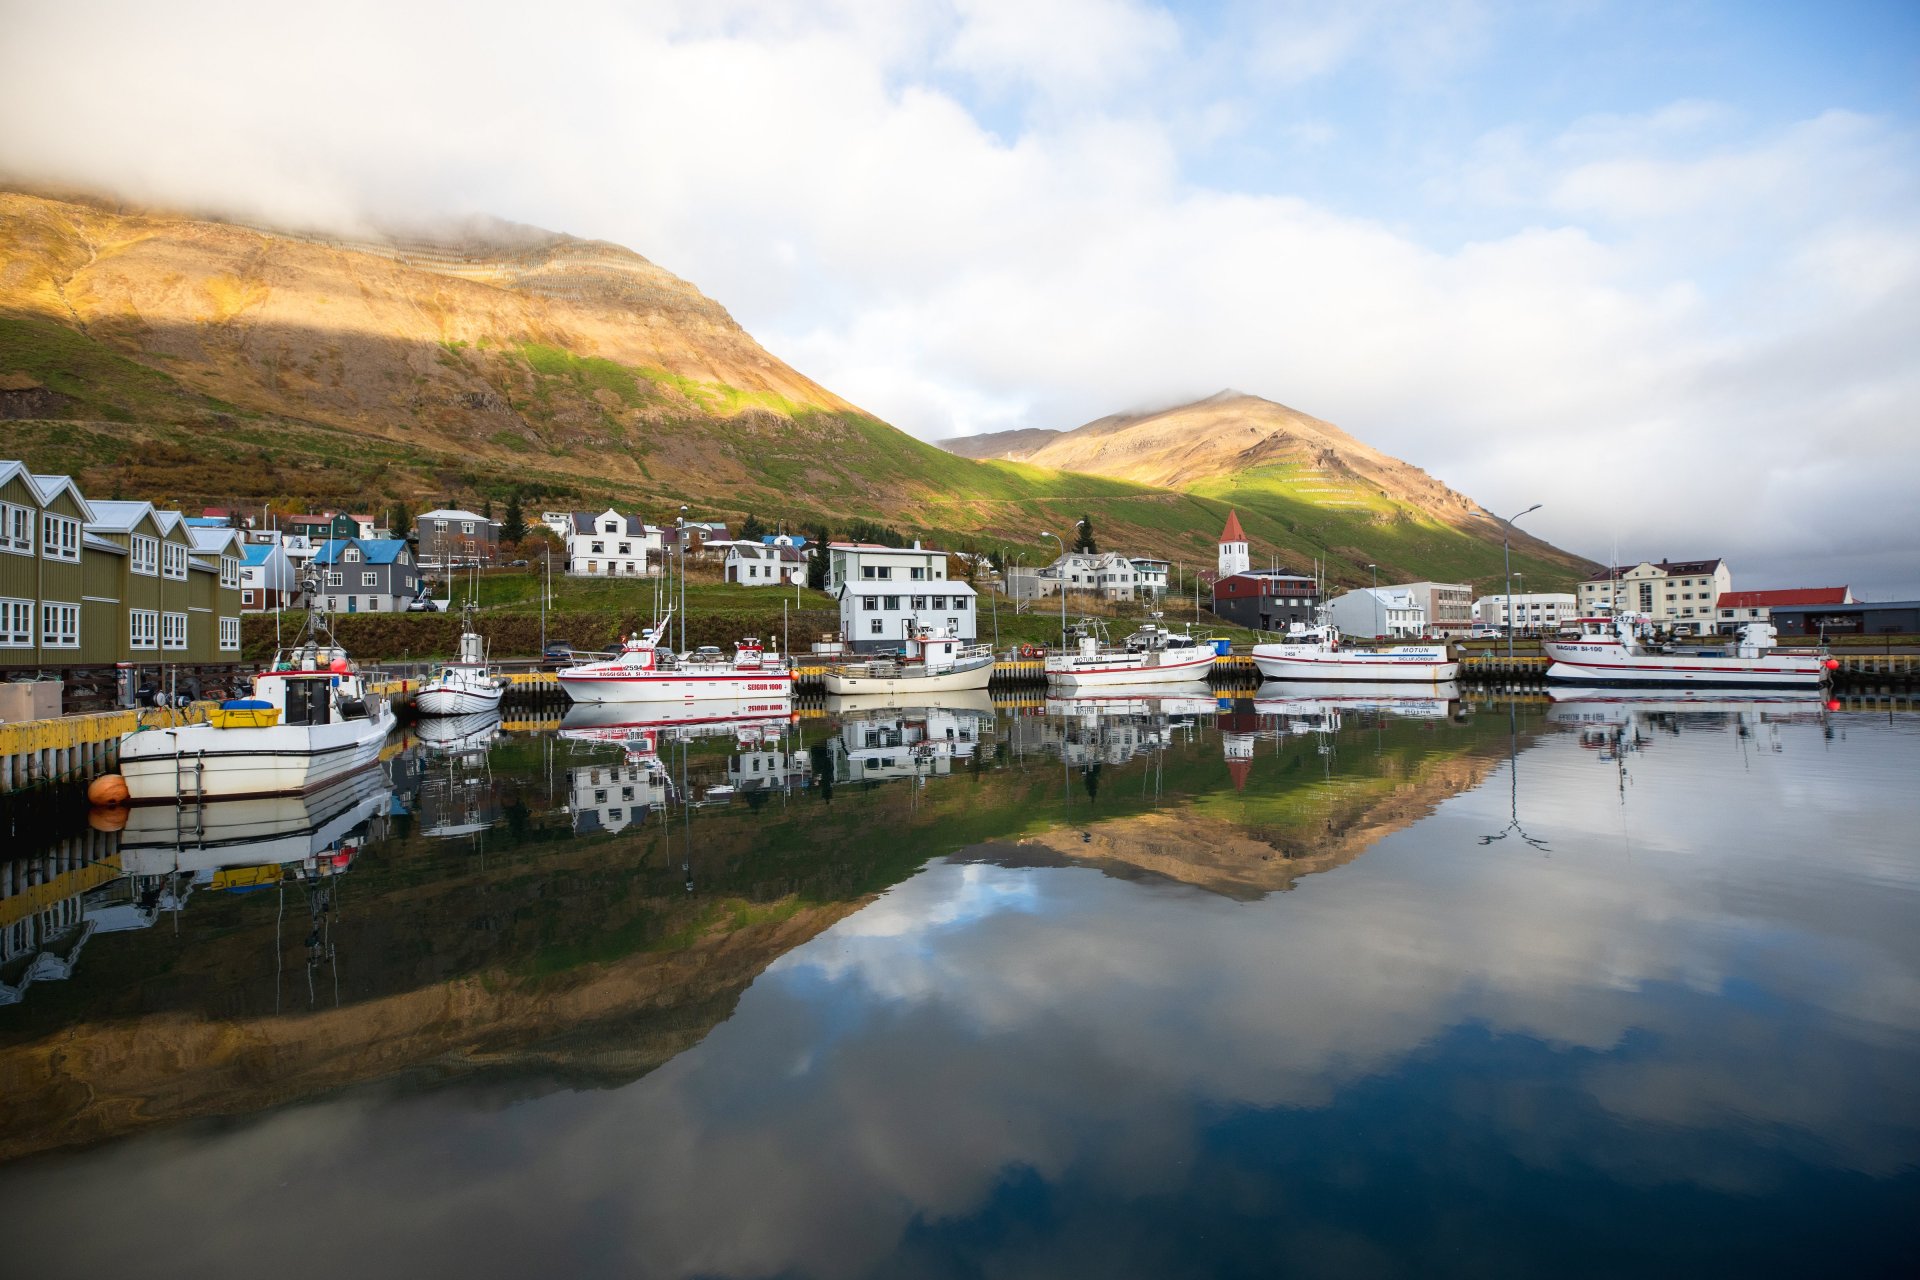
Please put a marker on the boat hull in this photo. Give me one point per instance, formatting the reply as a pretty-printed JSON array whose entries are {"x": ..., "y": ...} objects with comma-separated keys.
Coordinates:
[
  {"x": 455, "y": 700},
  {"x": 1601, "y": 665},
  {"x": 1408, "y": 666},
  {"x": 201, "y": 762},
  {"x": 1095, "y": 675},
  {"x": 851, "y": 682},
  {"x": 592, "y": 686}
]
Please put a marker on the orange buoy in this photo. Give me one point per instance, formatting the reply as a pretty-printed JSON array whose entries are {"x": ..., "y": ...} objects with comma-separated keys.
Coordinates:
[
  {"x": 107, "y": 818},
  {"x": 107, "y": 789}
]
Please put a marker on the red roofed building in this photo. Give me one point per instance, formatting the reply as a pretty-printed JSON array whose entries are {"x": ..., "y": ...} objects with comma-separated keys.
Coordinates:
[{"x": 1737, "y": 608}]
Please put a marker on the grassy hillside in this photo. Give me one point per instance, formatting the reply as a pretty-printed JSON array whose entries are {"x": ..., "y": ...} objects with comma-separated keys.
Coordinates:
[{"x": 197, "y": 363}]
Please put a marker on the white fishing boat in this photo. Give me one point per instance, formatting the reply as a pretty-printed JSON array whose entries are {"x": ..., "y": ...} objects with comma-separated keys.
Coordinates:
[
  {"x": 1152, "y": 655},
  {"x": 467, "y": 685},
  {"x": 312, "y": 720},
  {"x": 1317, "y": 653},
  {"x": 1413, "y": 702},
  {"x": 933, "y": 662},
  {"x": 1611, "y": 651},
  {"x": 266, "y": 832},
  {"x": 644, "y": 671}
]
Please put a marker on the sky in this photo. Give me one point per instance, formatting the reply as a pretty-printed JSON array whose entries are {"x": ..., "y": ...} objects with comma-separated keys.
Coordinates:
[{"x": 1651, "y": 265}]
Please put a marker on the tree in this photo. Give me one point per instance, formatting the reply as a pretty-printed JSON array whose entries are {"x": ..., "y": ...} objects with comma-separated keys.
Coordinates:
[
  {"x": 486, "y": 508},
  {"x": 402, "y": 520},
  {"x": 751, "y": 530},
  {"x": 817, "y": 560},
  {"x": 514, "y": 527},
  {"x": 1083, "y": 536}
]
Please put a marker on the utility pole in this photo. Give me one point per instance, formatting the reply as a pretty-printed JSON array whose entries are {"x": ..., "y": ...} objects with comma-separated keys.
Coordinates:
[
  {"x": 1061, "y": 578},
  {"x": 1506, "y": 550}
]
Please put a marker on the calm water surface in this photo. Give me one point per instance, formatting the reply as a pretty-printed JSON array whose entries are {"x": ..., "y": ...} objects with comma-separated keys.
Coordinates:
[{"x": 1170, "y": 987}]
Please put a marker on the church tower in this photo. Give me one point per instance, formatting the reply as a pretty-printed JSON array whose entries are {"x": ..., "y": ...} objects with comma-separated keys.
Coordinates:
[{"x": 1233, "y": 547}]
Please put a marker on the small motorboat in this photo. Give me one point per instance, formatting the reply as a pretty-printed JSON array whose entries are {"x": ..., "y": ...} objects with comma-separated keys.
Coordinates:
[{"x": 466, "y": 686}]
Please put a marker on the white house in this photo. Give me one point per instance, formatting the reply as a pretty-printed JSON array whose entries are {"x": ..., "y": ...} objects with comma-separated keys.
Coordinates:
[
  {"x": 1448, "y": 605},
  {"x": 1532, "y": 611},
  {"x": 1378, "y": 611},
  {"x": 268, "y": 579},
  {"x": 1151, "y": 576},
  {"x": 610, "y": 545},
  {"x": 1670, "y": 592},
  {"x": 868, "y": 564},
  {"x": 755, "y": 564},
  {"x": 611, "y": 797}
]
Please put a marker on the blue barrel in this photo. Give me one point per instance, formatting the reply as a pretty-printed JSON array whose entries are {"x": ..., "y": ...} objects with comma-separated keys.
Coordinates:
[{"x": 1222, "y": 647}]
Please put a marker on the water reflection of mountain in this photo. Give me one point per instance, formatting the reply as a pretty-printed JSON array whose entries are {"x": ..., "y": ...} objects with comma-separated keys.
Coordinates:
[{"x": 597, "y": 959}]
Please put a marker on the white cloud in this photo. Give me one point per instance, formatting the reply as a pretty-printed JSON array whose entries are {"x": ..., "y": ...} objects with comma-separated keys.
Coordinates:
[{"x": 977, "y": 216}]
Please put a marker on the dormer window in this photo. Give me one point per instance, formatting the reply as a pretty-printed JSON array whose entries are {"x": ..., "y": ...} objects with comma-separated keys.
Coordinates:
[
  {"x": 612, "y": 527},
  {"x": 352, "y": 554}
]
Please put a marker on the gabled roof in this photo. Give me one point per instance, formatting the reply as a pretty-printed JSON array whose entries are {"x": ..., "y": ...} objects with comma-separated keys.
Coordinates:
[
  {"x": 587, "y": 522},
  {"x": 1790, "y": 595},
  {"x": 91, "y": 543},
  {"x": 374, "y": 550},
  {"x": 258, "y": 552},
  {"x": 49, "y": 487},
  {"x": 446, "y": 513},
  {"x": 1672, "y": 568},
  {"x": 216, "y": 539},
  {"x": 119, "y": 517},
  {"x": 1233, "y": 532}
]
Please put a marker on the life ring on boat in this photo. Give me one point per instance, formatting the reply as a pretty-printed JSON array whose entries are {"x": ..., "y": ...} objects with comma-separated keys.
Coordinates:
[{"x": 1029, "y": 650}]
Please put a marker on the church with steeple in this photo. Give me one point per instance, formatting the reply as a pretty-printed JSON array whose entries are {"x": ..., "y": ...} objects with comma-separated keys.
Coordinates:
[
  {"x": 1264, "y": 599},
  {"x": 1234, "y": 557}
]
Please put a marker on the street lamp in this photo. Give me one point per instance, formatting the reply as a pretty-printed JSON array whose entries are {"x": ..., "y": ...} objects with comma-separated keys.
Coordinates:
[
  {"x": 1506, "y": 550},
  {"x": 1061, "y": 588}
]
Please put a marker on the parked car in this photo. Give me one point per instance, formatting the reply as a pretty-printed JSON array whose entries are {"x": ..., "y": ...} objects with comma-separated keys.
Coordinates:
[
  {"x": 422, "y": 605},
  {"x": 516, "y": 564},
  {"x": 558, "y": 651}
]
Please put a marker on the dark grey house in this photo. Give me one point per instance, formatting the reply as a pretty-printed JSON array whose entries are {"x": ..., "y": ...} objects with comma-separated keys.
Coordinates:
[
  {"x": 366, "y": 575},
  {"x": 1265, "y": 599}
]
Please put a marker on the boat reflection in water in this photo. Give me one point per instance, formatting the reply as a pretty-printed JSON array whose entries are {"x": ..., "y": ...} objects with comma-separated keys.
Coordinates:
[
  {"x": 879, "y": 742},
  {"x": 1119, "y": 723},
  {"x": 605, "y": 797},
  {"x": 457, "y": 794},
  {"x": 1308, "y": 701}
]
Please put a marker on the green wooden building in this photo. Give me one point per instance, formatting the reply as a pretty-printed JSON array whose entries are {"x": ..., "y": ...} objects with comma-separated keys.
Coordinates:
[{"x": 94, "y": 583}]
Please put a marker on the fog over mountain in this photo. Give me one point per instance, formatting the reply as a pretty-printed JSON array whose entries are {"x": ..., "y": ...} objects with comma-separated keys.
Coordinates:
[{"x": 1673, "y": 300}]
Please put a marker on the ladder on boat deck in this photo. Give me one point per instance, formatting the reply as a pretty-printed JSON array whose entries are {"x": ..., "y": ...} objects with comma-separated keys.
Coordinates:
[{"x": 190, "y": 784}]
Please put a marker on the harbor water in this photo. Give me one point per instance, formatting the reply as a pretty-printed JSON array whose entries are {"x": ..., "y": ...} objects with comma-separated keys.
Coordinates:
[{"x": 1318, "y": 982}]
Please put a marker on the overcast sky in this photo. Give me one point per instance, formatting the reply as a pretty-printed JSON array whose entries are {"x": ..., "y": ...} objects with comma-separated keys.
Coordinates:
[{"x": 1654, "y": 265}]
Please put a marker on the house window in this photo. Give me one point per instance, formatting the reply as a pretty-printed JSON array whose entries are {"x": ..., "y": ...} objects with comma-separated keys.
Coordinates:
[
  {"x": 229, "y": 571},
  {"x": 868, "y": 571},
  {"x": 626, "y": 548},
  {"x": 953, "y": 625},
  {"x": 893, "y": 603},
  {"x": 246, "y": 597},
  {"x": 16, "y": 529},
  {"x": 885, "y": 571},
  {"x": 143, "y": 629},
  {"x": 936, "y": 602},
  {"x": 877, "y": 627},
  {"x": 16, "y": 624},
  {"x": 373, "y": 604},
  {"x": 466, "y": 526},
  {"x": 173, "y": 631},
  {"x": 869, "y": 603},
  {"x": 334, "y": 580},
  {"x": 919, "y": 572},
  {"x": 369, "y": 579},
  {"x": 229, "y": 633},
  {"x": 61, "y": 538},
  {"x": 593, "y": 566},
  {"x": 919, "y": 603},
  {"x": 60, "y": 625},
  {"x": 351, "y": 554},
  {"x": 598, "y": 548},
  {"x": 173, "y": 560},
  {"x": 146, "y": 555}
]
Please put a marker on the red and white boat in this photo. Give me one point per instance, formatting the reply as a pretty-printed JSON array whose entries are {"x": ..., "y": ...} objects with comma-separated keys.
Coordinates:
[
  {"x": 1152, "y": 655},
  {"x": 1609, "y": 651},
  {"x": 643, "y": 671},
  {"x": 1315, "y": 653}
]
